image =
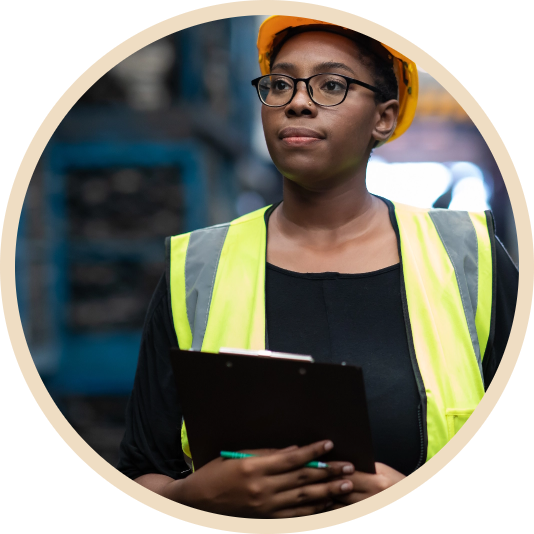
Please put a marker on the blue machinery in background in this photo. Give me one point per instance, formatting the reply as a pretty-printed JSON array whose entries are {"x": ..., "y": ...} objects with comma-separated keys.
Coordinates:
[
  {"x": 104, "y": 136},
  {"x": 98, "y": 363}
]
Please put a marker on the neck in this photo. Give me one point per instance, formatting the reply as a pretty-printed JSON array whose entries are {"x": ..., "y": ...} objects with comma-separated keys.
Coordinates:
[
  {"x": 341, "y": 228},
  {"x": 326, "y": 208}
]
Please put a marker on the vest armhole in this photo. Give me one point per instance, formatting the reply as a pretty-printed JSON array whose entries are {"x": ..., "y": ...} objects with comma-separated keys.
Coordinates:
[
  {"x": 411, "y": 347},
  {"x": 266, "y": 216},
  {"x": 168, "y": 276},
  {"x": 491, "y": 230}
]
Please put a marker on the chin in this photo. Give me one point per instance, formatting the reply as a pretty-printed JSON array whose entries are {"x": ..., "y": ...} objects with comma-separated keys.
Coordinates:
[
  {"x": 294, "y": 166},
  {"x": 303, "y": 169},
  {"x": 298, "y": 167},
  {"x": 305, "y": 176}
]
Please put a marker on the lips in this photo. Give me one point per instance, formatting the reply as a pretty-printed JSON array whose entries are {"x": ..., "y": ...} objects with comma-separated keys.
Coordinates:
[
  {"x": 292, "y": 132},
  {"x": 299, "y": 136}
]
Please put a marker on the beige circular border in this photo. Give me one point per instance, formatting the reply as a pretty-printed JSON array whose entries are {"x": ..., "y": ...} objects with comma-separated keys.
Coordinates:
[{"x": 56, "y": 115}]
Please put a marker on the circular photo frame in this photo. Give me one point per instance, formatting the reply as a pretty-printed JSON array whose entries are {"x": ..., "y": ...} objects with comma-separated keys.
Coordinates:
[{"x": 134, "y": 44}]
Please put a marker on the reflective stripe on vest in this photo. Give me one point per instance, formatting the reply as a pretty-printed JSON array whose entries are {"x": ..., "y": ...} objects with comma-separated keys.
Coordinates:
[
  {"x": 446, "y": 291},
  {"x": 217, "y": 285}
]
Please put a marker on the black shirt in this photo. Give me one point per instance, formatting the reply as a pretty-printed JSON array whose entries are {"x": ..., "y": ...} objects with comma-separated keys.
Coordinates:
[
  {"x": 335, "y": 317},
  {"x": 357, "y": 319}
]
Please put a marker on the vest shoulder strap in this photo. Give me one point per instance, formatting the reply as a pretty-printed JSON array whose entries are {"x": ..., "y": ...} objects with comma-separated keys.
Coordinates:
[
  {"x": 448, "y": 275},
  {"x": 194, "y": 262},
  {"x": 468, "y": 241}
]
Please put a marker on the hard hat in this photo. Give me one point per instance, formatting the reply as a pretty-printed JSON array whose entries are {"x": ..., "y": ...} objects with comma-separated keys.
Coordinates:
[{"x": 405, "y": 69}]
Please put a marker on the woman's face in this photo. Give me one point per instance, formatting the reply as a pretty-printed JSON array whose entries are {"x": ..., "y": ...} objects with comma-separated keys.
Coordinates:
[{"x": 341, "y": 136}]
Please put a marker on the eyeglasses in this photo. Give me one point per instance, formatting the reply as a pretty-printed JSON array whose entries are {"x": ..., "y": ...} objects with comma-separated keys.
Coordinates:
[{"x": 277, "y": 90}]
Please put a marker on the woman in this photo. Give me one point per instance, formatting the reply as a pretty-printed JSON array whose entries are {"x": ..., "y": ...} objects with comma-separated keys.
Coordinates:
[{"x": 422, "y": 301}]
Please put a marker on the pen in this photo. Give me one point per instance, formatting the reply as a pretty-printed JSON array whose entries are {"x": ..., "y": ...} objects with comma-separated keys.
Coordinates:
[{"x": 237, "y": 455}]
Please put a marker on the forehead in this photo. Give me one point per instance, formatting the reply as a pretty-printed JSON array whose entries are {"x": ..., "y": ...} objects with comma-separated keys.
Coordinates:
[{"x": 307, "y": 49}]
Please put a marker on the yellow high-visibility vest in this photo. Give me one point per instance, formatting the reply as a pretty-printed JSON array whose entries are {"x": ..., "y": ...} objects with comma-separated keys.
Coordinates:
[{"x": 217, "y": 287}]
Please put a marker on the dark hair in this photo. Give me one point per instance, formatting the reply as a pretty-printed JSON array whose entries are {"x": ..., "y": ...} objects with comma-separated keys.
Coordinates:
[{"x": 370, "y": 52}]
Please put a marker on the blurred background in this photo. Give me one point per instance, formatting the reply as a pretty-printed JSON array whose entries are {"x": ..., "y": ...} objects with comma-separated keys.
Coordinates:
[{"x": 169, "y": 141}]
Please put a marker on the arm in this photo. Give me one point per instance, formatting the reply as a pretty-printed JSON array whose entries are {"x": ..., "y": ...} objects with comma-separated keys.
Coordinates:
[
  {"x": 507, "y": 281},
  {"x": 151, "y": 443},
  {"x": 159, "y": 484},
  {"x": 151, "y": 451},
  {"x": 273, "y": 485}
]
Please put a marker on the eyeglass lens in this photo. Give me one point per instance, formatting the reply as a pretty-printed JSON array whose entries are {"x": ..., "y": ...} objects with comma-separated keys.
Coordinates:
[{"x": 325, "y": 89}]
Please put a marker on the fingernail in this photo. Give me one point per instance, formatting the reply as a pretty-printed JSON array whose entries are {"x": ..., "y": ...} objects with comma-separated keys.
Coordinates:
[
  {"x": 348, "y": 469},
  {"x": 328, "y": 446},
  {"x": 346, "y": 486}
]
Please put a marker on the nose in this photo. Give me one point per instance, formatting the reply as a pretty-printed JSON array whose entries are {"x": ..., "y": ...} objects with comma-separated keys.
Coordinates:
[{"x": 301, "y": 104}]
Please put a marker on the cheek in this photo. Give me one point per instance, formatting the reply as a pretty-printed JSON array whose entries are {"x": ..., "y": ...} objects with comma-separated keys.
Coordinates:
[
  {"x": 351, "y": 131},
  {"x": 267, "y": 118},
  {"x": 271, "y": 124}
]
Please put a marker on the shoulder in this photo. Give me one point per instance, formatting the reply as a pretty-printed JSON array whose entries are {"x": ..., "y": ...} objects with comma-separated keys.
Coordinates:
[
  {"x": 506, "y": 275},
  {"x": 158, "y": 319},
  {"x": 248, "y": 217},
  {"x": 505, "y": 263},
  {"x": 441, "y": 213},
  {"x": 211, "y": 235},
  {"x": 455, "y": 228}
]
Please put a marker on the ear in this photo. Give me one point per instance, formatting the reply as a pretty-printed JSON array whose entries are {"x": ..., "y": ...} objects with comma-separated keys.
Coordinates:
[{"x": 386, "y": 120}]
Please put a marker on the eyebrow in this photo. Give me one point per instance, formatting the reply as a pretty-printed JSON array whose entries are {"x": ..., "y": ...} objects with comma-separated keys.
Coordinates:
[
  {"x": 328, "y": 65},
  {"x": 319, "y": 67},
  {"x": 283, "y": 66}
]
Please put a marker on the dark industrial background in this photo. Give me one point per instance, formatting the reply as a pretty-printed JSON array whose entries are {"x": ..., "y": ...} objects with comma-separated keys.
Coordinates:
[{"x": 169, "y": 141}]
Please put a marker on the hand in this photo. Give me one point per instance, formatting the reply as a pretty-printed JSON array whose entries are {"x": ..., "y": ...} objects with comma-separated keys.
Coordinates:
[
  {"x": 275, "y": 484},
  {"x": 366, "y": 485}
]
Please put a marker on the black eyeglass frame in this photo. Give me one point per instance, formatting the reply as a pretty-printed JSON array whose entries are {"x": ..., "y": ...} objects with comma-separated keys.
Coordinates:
[{"x": 349, "y": 80}]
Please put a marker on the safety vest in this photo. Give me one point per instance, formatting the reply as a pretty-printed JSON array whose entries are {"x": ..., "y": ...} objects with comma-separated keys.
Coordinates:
[{"x": 217, "y": 288}]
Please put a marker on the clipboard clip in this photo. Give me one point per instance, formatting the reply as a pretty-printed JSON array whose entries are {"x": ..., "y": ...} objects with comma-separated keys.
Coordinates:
[{"x": 267, "y": 353}]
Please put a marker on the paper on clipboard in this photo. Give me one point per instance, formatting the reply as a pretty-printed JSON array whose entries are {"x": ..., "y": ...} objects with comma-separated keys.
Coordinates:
[{"x": 267, "y": 353}]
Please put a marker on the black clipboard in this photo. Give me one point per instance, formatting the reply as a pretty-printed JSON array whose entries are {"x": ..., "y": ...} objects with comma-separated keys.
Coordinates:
[{"x": 237, "y": 400}]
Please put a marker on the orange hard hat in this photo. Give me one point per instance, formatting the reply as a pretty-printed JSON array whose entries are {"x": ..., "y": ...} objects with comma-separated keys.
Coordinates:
[{"x": 404, "y": 68}]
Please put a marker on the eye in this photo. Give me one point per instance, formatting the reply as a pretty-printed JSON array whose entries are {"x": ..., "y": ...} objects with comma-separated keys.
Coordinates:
[
  {"x": 281, "y": 84},
  {"x": 332, "y": 86}
]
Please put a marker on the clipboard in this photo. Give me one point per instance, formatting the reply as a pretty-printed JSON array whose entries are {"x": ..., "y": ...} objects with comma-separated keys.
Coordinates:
[{"x": 239, "y": 400}]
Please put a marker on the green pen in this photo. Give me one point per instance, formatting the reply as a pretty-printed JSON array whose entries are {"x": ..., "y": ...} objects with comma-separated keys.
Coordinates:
[{"x": 238, "y": 455}]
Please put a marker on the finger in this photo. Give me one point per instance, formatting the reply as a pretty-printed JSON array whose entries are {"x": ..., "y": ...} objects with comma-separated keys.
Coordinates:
[
  {"x": 287, "y": 449},
  {"x": 304, "y": 495},
  {"x": 309, "y": 475},
  {"x": 363, "y": 482},
  {"x": 288, "y": 461},
  {"x": 266, "y": 452}
]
